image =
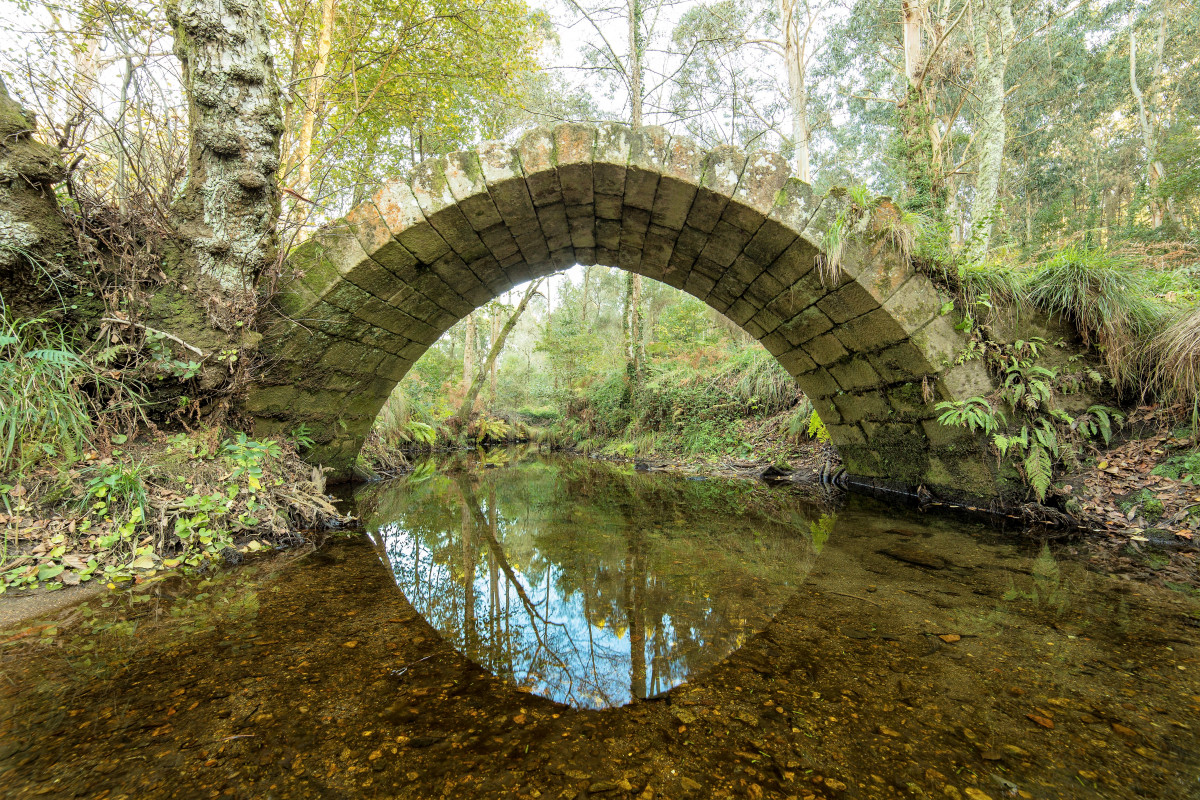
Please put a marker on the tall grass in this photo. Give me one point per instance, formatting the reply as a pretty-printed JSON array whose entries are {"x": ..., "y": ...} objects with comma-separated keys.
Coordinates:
[
  {"x": 1110, "y": 300},
  {"x": 1176, "y": 356},
  {"x": 52, "y": 398}
]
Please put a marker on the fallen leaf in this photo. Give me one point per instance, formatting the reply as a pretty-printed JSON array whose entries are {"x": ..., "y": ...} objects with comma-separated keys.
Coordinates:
[{"x": 1043, "y": 721}]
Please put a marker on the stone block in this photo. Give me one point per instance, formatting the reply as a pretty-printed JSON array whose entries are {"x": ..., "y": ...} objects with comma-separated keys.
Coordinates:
[
  {"x": 797, "y": 362},
  {"x": 393, "y": 368},
  {"x": 966, "y": 381},
  {"x": 766, "y": 319},
  {"x": 901, "y": 362},
  {"x": 846, "y": 303},
  {"x": 939, "y": 343},
  {"x": 946, "y": 436},
  {"x": 555, "y": 227},
  {"x": 769, "y": 242},
  {"x": 367, "y": 225},
  {"x": 762, "y": 178},
  {"x": 908, "y": 401},
  {"x": 464, "y": 178},
  {"x": 725, "y": 243},
  {"x": 762, "y": 289},
  {"x": 855, "y": 375},
  {"x": 611, "y": 158},
  {"x": 574, "y": 148},
  {"x": 583, "y": 229},
  {"x": 505, "y": 182},
  {"x": 808, "y": 323},
  {"x": 370, "y": 276},
  {"x": 846, "y": 435},
  {"x": 678, "y": 185},
  {"x": 698, "y": 285},
  {"x": 413, "y": 351},
  {"x": 402, "y": 213},
  {"x": 826, "y": 410},
  {"x": 874, "y": 331},
  {"x": 795, "y": 262},
  {"x": 536, "y": 151},
  {"x": 740, "y": 312},
  {"x": 914, "y": 304},
  {"x": 818, "y": 383},
  {"x": 869, "y": 405},
  {"x": 270, "y": 399},
  {"x": 825, "y": 349},
  {"x": 877, "y": 267},
  {"x": 649, "y": 156}
]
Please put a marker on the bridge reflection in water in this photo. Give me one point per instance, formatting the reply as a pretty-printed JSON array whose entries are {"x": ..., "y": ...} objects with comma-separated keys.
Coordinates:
[{"x": 589, "y": 584}]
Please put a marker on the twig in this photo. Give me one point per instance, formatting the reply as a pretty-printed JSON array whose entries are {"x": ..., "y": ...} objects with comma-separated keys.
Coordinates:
[
  {"x": 164, "y": 334},
  {"x": 856, "y": 597}
]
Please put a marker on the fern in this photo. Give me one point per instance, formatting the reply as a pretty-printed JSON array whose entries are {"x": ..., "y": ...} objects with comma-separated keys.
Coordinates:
[
  {"x": 977, "y": 414},
  {"x": 1039, "y": 470}
]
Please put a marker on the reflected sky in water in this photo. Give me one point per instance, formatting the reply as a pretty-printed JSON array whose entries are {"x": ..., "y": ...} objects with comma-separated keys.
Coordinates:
[{"x": 588, "y": 583}]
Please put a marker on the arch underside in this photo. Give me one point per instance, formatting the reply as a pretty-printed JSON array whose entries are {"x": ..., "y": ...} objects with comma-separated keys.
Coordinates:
[{"x": 369, "y": 294}]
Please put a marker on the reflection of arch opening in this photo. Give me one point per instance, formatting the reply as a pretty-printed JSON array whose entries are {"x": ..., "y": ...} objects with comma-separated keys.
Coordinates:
[{"x": 373, "y": 291}]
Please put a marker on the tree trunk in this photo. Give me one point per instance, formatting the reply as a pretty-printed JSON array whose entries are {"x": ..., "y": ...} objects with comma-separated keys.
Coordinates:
[
  {"x": 469, "y": 350},
  {"x": 991, "y": 59},
  {"x": 635, "y": 323},
  {"x": 1155, "y": 172},
  {"x": 794, "y": 56},
  {"x": 230, "y": 206},
  {"x": 910, "y": 12},
  {"x": 312, "y": 105},
  {"x": 492, "y": 368},
  {"x": 464, "y": 411},
  {"x": 635, "y": 62}
]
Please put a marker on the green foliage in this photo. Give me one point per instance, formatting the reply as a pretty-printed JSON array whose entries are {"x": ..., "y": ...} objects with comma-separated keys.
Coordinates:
[
  {"x": 116, "y": 491},
  {"x": 817, "y": 429},
  {"x": 488, "y": 429},
  {"x": 52, "y": 398},
  {"x": 247, "y": 456},
  {"x": 1184, "y": 467}
]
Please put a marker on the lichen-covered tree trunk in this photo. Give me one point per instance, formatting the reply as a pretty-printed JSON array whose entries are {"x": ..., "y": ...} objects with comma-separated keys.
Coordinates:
[
  {"x": 992, "y": 38},
  {"x": 230, "y": 206},
  {"x": 35, "y": 243}
]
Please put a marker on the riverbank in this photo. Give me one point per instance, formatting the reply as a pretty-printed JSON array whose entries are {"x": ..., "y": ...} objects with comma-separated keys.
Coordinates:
[{"x": 141, "y": 508}]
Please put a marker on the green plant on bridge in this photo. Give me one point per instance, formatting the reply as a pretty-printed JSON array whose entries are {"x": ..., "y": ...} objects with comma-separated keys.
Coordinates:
[{"x": 1047, "y": 436}]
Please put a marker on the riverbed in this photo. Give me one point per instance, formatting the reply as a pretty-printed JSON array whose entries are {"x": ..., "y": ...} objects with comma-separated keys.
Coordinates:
[{"x": 546, "y": 627}]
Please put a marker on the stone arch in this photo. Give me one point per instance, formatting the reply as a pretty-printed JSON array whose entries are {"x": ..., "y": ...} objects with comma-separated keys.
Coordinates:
[{"x": 370, "y": 293}]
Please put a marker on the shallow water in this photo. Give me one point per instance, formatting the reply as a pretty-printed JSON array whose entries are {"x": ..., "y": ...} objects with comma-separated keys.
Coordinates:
[
  {"x": 587, "y": 584},
  {"x": 909, "y": 656}
]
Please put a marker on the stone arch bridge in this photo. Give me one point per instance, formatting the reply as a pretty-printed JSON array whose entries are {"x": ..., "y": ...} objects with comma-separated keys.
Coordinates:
[{"x": 370, "y": 293}]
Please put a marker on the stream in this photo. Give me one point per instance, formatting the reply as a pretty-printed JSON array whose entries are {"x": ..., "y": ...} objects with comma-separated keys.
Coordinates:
[{"x": 526, "y": 625}]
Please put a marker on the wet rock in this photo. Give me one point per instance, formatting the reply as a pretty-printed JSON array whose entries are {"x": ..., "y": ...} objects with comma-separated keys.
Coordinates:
[
  {"x": 684, "y": 716},
  {"x": 424, "y": 741}
]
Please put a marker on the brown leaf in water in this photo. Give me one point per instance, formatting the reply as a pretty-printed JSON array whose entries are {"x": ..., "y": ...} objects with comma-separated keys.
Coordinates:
[{"x": 1043, "y": 721}]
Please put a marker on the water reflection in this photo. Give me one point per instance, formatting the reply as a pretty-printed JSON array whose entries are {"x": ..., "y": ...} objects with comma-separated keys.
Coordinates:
[{"x": 587, "y": 583}]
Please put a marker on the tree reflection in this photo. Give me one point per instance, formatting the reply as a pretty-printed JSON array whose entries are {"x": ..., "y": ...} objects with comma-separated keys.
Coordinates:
[{"x": 587, "y": 583}]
